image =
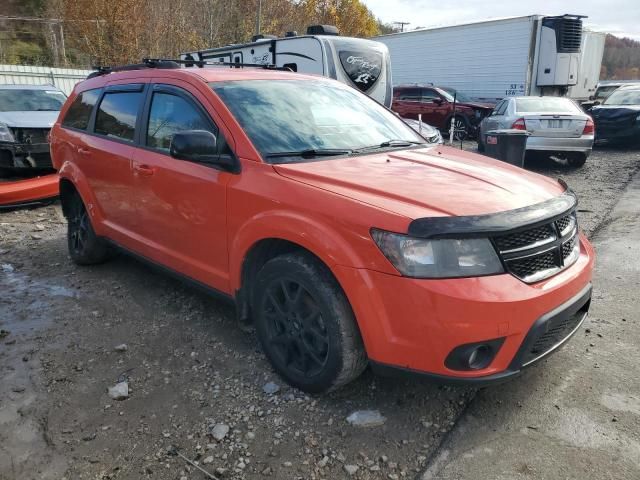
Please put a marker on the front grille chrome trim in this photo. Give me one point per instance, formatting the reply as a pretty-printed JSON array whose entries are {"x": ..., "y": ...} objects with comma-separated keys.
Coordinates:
[
  {"x": 539, "y": 243},
  {"x": 542, "y": 258}
]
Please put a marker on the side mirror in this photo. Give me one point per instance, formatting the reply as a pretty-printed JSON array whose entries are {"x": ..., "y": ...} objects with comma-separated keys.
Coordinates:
[
  {"x": 200, "y": 146},
  {"x": 438, "y": 101},
  {"x": 194, "y": 145},
  {"x": 592, "y": 97}
]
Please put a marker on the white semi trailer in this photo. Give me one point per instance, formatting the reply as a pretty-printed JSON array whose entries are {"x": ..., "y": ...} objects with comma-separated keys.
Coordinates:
[{"x": 490, "y": 60}]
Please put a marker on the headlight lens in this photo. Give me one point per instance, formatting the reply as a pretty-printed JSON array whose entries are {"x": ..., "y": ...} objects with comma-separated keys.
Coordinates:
[
  {"x": 440, "y": 258},
  {"x": 5, "y": 134}
]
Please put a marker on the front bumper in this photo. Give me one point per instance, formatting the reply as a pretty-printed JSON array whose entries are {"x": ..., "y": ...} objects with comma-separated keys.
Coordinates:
[
  {"x": 25, "y": 156},
  {"x": 412, "y": 325},
  {"x": 582, "y": 144}
]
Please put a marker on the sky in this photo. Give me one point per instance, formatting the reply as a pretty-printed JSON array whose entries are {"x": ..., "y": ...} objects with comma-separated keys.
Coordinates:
[{"x": 619, "y": 17}]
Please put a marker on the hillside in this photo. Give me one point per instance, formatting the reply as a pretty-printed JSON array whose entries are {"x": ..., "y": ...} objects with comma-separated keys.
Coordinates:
[{"x": 621, "y": 59}]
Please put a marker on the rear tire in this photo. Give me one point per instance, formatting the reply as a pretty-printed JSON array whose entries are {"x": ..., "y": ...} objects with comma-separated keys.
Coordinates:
[
  {"x": 576, "y": 159},
  {"x": 305, "y": 324},
  {"x": 480, "y": 145},
  {"x": 85, "y": 247}
]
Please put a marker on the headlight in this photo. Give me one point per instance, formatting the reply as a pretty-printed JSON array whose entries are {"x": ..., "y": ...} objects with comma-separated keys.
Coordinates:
[
  {"x": 440, "y": 258},
  {"x": 5, "y": 134}
]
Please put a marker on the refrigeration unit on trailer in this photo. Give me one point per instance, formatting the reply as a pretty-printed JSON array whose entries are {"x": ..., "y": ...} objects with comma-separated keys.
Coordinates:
[
  {"x": 361, "y": 63},
  {"x": 591, "y": 53},
  {"x": 532, "y": 55}
]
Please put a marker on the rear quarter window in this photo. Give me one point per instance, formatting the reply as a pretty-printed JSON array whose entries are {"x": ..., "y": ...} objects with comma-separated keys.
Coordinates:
[
  {"x": 80, "y": 110},
  {"x": 117, "y": 115}
]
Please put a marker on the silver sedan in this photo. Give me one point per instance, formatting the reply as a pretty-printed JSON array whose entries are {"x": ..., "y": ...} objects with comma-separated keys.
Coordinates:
[{"x": 556, "y": 126}]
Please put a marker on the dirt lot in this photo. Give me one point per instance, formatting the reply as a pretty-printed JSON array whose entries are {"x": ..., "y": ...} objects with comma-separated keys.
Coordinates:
[{"x": 190, "y": 369}]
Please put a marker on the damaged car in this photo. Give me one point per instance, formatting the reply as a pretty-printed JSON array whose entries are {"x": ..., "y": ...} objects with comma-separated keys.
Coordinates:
[
  {"x": 618, "y": 118},
  {"x": 27, "y": 113}
]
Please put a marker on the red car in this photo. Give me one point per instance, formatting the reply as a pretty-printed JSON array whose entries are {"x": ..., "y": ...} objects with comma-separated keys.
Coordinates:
[
  {"x": 343, "y": 236},
  {"x": 436, "y": 105}
]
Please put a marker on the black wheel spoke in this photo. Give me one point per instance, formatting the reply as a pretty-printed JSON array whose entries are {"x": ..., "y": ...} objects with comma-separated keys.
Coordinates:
[{"x": 295, "y": 328}]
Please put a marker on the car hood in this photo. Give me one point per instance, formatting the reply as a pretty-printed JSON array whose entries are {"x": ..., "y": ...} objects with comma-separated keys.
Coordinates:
[
  {"x": 29, "y": 119},
  {"x": 427, "y": 182}
]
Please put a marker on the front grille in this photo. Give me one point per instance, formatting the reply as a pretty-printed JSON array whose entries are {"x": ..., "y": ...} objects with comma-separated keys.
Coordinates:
[
  {"x": 555, "y": 332},
  {"x": 31, "y": 135},
  {"x": 537, "y": 253},
  {"x": 522, "y": 239}
]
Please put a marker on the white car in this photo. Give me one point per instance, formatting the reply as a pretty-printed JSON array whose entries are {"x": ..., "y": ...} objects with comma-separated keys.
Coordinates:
[
  {"x": 557, "y": 126},
  {"x": 27, "y": 113}
]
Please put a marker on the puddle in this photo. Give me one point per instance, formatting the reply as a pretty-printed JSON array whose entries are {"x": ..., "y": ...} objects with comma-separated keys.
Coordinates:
[{"x": 26, "y": 302}]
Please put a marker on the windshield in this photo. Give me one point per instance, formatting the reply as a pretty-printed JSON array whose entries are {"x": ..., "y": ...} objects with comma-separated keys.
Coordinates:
[
  {"x": 450, "y": 92},
  {"x": 546, "y": 105},
  {"x": 624, "y": 97},
  {"x": 282, "y": 116},
  {"x": 18, "y": 100}
]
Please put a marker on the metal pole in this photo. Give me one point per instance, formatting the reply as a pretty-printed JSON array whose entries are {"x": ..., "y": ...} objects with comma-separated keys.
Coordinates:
[
  {"x": 259, "y": 13},
  {"x": 62, "y": 48},
  {"x": 420, "y": 123},
  {"x": 452, "y": 127}
]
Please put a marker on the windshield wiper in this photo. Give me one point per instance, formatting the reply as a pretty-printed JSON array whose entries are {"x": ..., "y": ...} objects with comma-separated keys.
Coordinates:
[
  {"x": 391, "y": 144},
  {"x": 310, "y": 153},
  {"x": 46, "y": 110}
]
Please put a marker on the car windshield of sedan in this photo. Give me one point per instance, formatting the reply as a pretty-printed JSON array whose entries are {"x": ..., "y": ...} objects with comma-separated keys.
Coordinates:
[
  {"x": 624, "y": 97},
  {"x": 18, "y": 100},
  {"x": 298, "y": 120},
  {"x": 546, "y": 105}
]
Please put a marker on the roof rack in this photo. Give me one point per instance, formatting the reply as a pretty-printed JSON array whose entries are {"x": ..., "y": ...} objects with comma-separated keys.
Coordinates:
[{"x": 164, "y": 63}]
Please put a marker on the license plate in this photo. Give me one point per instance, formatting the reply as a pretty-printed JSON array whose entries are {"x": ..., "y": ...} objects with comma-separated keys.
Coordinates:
[{"x": 555, "y": 123}]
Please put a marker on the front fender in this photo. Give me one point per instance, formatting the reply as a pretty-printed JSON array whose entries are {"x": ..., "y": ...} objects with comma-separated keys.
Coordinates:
[{"x": 319, "y": 237}]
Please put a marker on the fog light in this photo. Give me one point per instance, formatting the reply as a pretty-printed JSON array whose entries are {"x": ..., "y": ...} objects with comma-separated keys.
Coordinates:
[
  {"x": 473, "y": 356},
  {"x": 480, "y": 357}
]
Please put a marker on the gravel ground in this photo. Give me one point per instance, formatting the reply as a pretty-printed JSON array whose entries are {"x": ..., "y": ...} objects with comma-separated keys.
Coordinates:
[{"x": 191, "y": 373}]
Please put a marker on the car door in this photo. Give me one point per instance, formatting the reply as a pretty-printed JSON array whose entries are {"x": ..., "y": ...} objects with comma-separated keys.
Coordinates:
[
  {"x": 181, "y": 204},
  {"x": 408, "y": 103},
  {"x": 435, "y": 108},
  {"x": 105, "y": 157}
]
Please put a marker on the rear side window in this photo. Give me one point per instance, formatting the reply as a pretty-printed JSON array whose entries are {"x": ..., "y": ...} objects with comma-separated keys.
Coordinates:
[
  {"x": 502, "y": 107},
  {"x": 80, "y": 110},
  {"x": 117, "y": 114},
  {"x": 170, "y": 114},
  {"x": 411, "y": 94}
]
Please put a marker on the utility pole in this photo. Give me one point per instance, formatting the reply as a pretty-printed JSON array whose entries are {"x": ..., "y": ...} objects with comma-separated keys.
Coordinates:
[
  {"x": 258, "y": 15},
  {"x": 402, "y": 24}
]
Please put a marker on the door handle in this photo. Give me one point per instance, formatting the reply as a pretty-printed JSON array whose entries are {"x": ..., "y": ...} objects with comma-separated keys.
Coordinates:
[
  {"x": 143, "y": 170},
  {"x": 84, "y": 151}
]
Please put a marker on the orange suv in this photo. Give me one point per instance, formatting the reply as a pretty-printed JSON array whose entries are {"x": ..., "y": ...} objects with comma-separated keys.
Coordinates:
[{"x": 341, "y": 236}]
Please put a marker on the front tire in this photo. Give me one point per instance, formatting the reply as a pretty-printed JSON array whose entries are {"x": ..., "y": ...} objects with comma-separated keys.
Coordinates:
[
  {"x": 85, "y": 247},
  {"x": 305, "y": 324},
  {"x": 461, "y": 129}
]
